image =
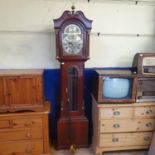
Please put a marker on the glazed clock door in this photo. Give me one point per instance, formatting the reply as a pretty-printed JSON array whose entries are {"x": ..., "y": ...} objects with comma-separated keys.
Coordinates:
[{"x": 72, "y": 88}]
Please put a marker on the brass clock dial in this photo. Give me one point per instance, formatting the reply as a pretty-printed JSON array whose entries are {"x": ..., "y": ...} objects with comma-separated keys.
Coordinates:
[{"x": 72, "y": 40}]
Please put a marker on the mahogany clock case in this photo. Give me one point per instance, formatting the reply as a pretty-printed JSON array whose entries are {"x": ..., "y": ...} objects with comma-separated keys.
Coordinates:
[
  {"x": 72, "y": 125},
  {"x": 144, "y": 64}
]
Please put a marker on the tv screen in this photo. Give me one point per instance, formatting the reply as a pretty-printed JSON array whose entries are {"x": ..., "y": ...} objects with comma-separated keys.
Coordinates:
[{"x": 116, "y": 88}]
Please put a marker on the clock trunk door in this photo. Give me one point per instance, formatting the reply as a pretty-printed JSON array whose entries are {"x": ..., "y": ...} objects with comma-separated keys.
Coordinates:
[{"x": 72, "y": 88}]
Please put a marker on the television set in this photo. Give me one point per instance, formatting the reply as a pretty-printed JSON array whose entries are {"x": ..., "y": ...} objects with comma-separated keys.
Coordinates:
[
  {"x": 114, "y": 86},
  {"x": 144, "y": 64}
]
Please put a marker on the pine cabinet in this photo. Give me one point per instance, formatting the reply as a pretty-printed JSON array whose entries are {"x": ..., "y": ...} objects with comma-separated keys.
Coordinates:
[{"x": 21, "y": 90}]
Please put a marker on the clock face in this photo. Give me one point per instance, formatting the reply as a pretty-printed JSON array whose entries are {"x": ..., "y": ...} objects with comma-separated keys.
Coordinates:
[{"x": 72, "y": 40}]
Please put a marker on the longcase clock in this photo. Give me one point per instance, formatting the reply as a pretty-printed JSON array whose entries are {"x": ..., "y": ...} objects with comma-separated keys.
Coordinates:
[{"x": 72, "y": 31}]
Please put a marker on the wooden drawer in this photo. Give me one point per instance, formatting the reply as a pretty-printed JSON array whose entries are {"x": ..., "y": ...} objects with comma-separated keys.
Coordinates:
[
  {"x": 120, "y": 112},
  {"x": 4, "y": 124},
  {"x": 22, "y": 148},
  {"x": 27, "y": 122},
  {"x": 144, "y": 111},
  {"x": 125, "y": 139},
  {"x": 126, "y": 125},
  {"x": 20, "y": 122},
  {"x": 35, "y": 133}
]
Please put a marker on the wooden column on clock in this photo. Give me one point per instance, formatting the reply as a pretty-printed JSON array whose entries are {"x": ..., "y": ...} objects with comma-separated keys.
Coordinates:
[{"x": 72, "y": 50}]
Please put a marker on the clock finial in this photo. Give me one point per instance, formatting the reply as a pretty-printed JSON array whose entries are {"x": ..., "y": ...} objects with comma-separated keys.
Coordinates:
[{"x": 73, "y": 7}]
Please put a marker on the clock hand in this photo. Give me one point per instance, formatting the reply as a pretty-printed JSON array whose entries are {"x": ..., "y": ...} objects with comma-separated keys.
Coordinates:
[{"x": 70, "y": 43}]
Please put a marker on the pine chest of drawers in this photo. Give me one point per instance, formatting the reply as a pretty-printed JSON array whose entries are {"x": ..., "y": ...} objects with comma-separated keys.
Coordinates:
[
  {"x": 24, "y": 133},
  {"x": 122, "y": 126}
]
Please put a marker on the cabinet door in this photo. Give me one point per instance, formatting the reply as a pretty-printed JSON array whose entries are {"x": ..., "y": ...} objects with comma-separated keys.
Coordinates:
[
  {"x": 23, "y": 91},
  {"x": 2, "y": 98}
]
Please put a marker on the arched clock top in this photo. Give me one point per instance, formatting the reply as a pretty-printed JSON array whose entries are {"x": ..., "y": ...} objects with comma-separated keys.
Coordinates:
[
  {"x": 72, "y": 36},
  {"x": 72, "y": 16}
]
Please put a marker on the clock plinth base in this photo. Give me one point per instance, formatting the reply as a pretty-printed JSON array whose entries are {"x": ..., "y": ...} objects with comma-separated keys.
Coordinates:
[{"x": 72, "y": 131}]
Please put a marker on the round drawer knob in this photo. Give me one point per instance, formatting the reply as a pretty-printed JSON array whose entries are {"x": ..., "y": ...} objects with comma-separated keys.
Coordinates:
[
  {"x": 28, "y": 124},
  {"x": 14, "y": 124},
  {"x": 149, "y": 124},
  {"x": 116, "y": 126},
  {"x": 116, "y": 113},
  {"x": 149, "y": 112},
  {"x": 115, "y": 139},
  {"x": 28, "y": 135},
  {"x": 147, "y": 138},
  {"x": 28, "y": 150}
]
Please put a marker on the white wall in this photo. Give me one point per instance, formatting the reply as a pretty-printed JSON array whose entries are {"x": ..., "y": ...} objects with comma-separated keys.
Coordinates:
[{"x": 27, "y": 39}]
